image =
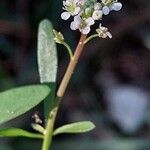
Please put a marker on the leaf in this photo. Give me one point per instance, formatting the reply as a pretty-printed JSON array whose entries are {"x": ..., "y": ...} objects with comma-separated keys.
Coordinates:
[
  {"x": 47, "y": 53},
  {"x": 49, "y": 102},
  {"x": 47, "y": 61},
  {"x": 17, "y": 101},
  {"x": 78, "y": 127},
  {"x": 16, "y": 132}
]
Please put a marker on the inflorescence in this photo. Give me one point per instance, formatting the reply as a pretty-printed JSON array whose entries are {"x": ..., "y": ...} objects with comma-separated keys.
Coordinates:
[{"x": 86, "y": 12}]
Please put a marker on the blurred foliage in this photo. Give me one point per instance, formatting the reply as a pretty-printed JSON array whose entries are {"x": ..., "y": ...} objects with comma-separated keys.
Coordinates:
[{"x": 87, "y": 144}]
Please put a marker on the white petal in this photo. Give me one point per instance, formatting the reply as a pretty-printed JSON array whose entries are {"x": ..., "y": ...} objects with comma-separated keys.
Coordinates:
[
  {"x": 100, "y": 25},
  {"x": 65, "y": 15},
  {"x": 86, "y": 30},
  {"x": 109, "y": 35},
  {"x": 116, "y": 6},
  {"x": 105, "y": 10},
  {"x": 74, "y": 25},
  {"x": 77, "y": 18},
  {"x": 90, "y": 21}
]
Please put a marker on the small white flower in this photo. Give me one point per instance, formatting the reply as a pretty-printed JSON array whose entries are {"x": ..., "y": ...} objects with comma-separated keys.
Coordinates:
[
  {"x": 97, "y": 6},
  {"x": 71, "y": 8},
  {"x": 105, "y": 10},
  {"x": 87, "y": 23},
  {"x": 82, "y": 25},
  {"x": 97, "y": 15},
  {"x": 103, "y": 32}
]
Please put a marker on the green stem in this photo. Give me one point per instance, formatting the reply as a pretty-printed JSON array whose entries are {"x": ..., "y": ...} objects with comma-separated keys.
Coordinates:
[
  {"x": 49, "y": 129},
  {"x": 68, "y": 49},
  {"x": 60, "y": 93},
  {"x": 90, "y": 38}
]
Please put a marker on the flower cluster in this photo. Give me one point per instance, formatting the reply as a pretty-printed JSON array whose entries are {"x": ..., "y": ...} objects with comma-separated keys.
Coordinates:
[{"x": 86, "y": 12}]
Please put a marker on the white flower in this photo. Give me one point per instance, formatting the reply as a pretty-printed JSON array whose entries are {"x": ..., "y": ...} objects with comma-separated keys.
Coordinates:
[
  {"x": 85, "y": 29},
  {"x": 88, "y": 22},
  {"x": 72, "y": 8},
  {"x": 82, "y": 25},
  {"x": 103, "y": 32},
  {"x": 97, "y": 6},
  {"x": 97, "y": 15}
]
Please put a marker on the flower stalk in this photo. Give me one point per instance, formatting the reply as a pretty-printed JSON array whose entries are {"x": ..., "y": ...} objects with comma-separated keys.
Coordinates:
[
  {"x": 60, "y": 93},
  {"x": 68, "y": 49}
]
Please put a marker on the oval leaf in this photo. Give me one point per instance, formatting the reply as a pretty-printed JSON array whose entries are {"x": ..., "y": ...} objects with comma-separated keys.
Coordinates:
[
  {"x": 17, "y": 101},
  {"x": 16, "y": 132},
  {"x": 47, "y": 61},
  {"x": 78, "y": 127},
  {"x": 47, "y": 53}
]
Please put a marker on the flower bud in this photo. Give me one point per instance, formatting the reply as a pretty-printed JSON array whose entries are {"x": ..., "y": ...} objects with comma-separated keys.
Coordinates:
[{"x": 59, "y": 38}]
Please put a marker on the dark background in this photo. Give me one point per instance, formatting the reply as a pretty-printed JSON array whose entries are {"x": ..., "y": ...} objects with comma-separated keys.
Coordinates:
[{"x": 107, "y": 68}]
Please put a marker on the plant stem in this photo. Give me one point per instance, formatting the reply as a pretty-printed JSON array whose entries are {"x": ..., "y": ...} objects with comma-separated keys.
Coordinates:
[
  {"x": 90, "y": 38},
  {"x": 60, "y": 93},
  {"x": 71, "y": 67},
  {"x": 49, "y": 129},
  {"x": 68, "y": 49}
]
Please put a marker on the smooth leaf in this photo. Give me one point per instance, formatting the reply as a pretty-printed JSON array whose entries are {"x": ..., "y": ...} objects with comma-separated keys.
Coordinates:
[
  {"x": 47, "y": 52},
  {"x": 47, "y": 61},
  {"x": 17, "y": 101},
  {"x": 78, "y": 127},
  {"x": 16, "y": 132}
]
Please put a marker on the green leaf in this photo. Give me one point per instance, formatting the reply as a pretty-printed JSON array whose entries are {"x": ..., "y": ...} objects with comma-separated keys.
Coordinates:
[
  {"x": 47, "y": 52},
  {"x": 17, "y": 101},
  {"x": 47, "y": 61},
  {"x": 78, "y": 127},
  {"x": 16, "y": 132}
]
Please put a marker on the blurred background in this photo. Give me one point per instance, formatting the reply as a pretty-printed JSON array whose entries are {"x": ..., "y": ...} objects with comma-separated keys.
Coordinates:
[{"x": 111, "y": 83}]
